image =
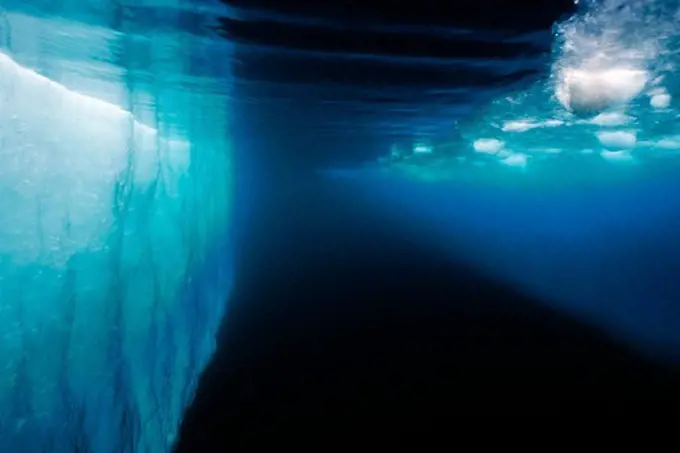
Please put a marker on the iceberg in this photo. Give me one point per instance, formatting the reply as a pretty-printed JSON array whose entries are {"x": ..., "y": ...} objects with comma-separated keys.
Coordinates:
[{"x": 115, "y": 200}]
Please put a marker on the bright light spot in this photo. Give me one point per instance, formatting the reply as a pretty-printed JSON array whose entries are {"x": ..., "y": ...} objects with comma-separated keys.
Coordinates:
[
  {"x": 617, "y": 139},
  {"x": 421, "y": 148}
]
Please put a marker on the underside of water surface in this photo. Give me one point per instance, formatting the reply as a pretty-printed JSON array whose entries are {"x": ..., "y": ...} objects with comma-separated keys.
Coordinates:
[
  {"x": 606, "y": 99},
  {"x": 115, "y": 197},
  {"x": 567, "y": 188}
]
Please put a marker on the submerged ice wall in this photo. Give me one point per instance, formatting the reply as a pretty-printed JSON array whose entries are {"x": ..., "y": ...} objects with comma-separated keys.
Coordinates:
[{"x": 115, "y": 190}]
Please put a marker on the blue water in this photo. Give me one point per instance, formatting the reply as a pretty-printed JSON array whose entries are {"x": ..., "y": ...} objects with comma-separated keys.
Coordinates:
[
  {"x": 116, "y": 182},
  {"x": 578, "y": 209}
]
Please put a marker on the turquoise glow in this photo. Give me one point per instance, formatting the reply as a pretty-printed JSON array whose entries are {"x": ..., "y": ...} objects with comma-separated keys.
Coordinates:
[{"x": 115, "y": 195}]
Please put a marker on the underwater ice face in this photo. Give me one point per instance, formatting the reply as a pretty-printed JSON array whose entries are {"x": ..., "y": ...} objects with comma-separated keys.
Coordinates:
[
  {"x": 63, "y": 155},
  {"x": 114, "y": 259}
]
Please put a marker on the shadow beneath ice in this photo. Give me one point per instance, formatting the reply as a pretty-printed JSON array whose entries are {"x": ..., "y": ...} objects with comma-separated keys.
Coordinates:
[{"x": 346, "y": 328}]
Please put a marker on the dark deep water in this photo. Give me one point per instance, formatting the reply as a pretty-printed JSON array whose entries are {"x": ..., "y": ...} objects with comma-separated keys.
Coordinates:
[{"x": 353, "y": 319}]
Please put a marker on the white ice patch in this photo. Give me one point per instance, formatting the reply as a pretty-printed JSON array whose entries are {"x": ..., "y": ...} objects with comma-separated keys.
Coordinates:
[
  {"x": 61, "y": 155},
  {"x": 518, "y": 126},
  {"x": 660, "y": 100},
  {"x": 526, "y": 125},
  {"x": 516, "y": 160},
  {"x": 617, "y": 156},
  {"x": 616, "y": 140},
  {"x": 669, "y": 143},
  {"x": 585, "y": 91},
  {"x": 552, "y": 123},
  {"x": 488, "y": 145},
  {"x": 610, "y": 119}
]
